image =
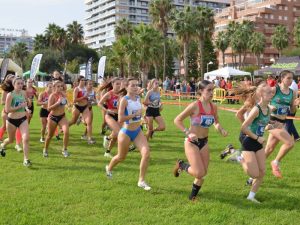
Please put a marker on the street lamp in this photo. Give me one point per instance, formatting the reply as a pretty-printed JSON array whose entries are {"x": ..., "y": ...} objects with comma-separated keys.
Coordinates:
[{"x": 210, "y": 63}]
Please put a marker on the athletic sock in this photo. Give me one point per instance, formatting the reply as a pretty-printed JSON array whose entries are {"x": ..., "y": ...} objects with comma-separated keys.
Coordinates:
[
  {"x": 251, "y": 194},
  {"x": 276, "y": 162},
  {"x": 195, "y": 190},
  {"x": 1, "y": 133},
  {"x": 184, "y": 166},
  {"x": 107, "y": 151},
  {"x": 18, "y": 136}
]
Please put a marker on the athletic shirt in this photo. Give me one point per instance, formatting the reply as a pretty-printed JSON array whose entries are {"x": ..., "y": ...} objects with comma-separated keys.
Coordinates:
[
  {"x": 31, "y": 94},
  {"x": 204, "y": 119},
  {"x": 282, "y": 101},
  {"x": 91, "y": 96},
  {"x": 131, "y": 108},
  {"x": 81, "y": 92},
  {"x": 63, "y": 99},
  {"x": 260, "y": 122},
  {"x": 45, "y": 97},
  {"x": 154, "y": 99},
  {"x": 17, "y": 100},
  {"x": 112, "y": 102}
]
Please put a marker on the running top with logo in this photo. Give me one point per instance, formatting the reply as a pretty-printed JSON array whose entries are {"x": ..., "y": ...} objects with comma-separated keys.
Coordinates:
[
  {"x": 45, "y": 97},
  {"x": 91, "y": 97},
  {"x": 282, "y": 101},
  {"x": 260, "y": 122},
  {"x": 154, "y": 99},
  {"x": 112, "y": 102},
  {"x": 31, "y": 94},
  {"x": 81, "y": 92},
  {"x": 17, "y": 99},
  {"x": 63, "y": 100},
  {"x": 204, "y": 119},
  {"x": 131, "y": 108}
]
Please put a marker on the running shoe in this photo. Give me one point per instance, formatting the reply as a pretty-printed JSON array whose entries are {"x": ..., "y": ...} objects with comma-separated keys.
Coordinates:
[
  {"x": 177, "y": 169},
  {"x": 83, "y": 137},
  {"x": 249, "y": 182},
  {"x": 108, "y": 173},
  {"x": 65, "y": 153},
  {"x": 297, "y": 139},
  {"x": 276, "y": 170},
  {"x": 131, "y": 148},
  {"x": 18, "y": 148},
  {"x": 27, "y": 163},
  {"x": 108, "y": 155},
  {"x": 2, "y": 151},
  {"x": 254, "y": 200},
  {"x": 144, "y": 185},
  {"x": 91, "y": 141},
  {"x": 42, "y": 140},
  {"x": 45, "y": 154},
  {"x": 105, "y": 142}
]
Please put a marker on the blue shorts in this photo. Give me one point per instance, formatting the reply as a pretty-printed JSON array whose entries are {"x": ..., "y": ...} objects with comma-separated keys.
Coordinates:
[{"x": 132, "y": 134}]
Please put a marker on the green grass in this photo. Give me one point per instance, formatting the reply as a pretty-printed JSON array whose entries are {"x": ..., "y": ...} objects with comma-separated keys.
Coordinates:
[{"x": 76, "y": 191}]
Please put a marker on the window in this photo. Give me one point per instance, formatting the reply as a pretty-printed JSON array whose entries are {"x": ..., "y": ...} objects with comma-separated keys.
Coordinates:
[{"x": 280, "y": 17}]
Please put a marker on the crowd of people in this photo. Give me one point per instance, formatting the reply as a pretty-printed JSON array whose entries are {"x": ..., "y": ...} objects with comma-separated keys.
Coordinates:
[{"x": 267, "y": 104}]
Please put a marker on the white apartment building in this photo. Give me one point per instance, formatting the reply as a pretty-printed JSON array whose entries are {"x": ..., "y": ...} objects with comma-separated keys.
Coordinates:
[{"x": 102, "y": 16}]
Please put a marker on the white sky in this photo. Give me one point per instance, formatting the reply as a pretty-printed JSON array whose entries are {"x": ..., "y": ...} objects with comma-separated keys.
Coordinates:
[{"x": 35, "y": 15}]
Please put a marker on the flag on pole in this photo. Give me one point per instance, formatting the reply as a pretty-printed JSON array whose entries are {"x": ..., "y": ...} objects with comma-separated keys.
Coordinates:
[
  {"x": 88, "y": 69},
  {"x": 35, "y": 65},
  {"x": 101, "y": 68},
  {"x": 4, "y": 67}
]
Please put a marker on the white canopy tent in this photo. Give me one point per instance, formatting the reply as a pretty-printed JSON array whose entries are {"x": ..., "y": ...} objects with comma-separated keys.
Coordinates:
[
  {"x": 12, "y": 66},
  {"x": 225, "y": 72}
]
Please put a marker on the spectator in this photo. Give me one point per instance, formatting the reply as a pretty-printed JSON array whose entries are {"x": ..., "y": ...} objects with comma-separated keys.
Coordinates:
[
  {"x": 183, "y": 87},
  {"x": 223, "y": 83},
  {"x": 166, "y": 84},
  {"x": 298, "y": 83},
  {"x": 177, "y": 86},
  {"x": 193, "y": 86},
  {"x": 172, "y": 84},
  {"x": 271, "y": 81},
  {"x": 247, "y": 82},
  {"x": 217, "y": 82}
]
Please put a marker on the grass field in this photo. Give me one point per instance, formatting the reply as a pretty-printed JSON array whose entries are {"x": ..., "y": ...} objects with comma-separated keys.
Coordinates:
[{"x": 75, "y": 190}]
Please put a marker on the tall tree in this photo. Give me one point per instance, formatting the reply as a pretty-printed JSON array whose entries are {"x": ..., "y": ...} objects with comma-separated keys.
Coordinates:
[
  {"x": 204, "y": 24},
  {"x": 160, "y": 11},
  {"x": 257, "y": 45},
  {"x": 19, "y": 52},
  {"x": 40, "y": 42},
  {"x": 280, "y": 38},
  {"x": 75, "y": 32},
  {"x": 123, "y": 27},
  {"x": 51, "y": 34},
  {"x": 232, "y": 27},
  {"x": 297, "y": 32},
  {"x": 183, "y": 23},
  {"x": 222, "y": 43}
]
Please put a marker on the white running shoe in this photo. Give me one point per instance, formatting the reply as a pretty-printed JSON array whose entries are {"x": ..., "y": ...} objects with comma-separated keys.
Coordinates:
[
  {"x": 65, "y": 153},
  {"x": 254, "y": 200},
  {"x": 108, "y": 155},
  {"x": 18, "y": 148},
  {"x": 42, "y": 140},
  {"x": 105, "y": 142},
  {"x": 83, "y": 137},
  {"x": 108, "y": 173},
  {"x": 45, "y": 154},
  {"x": 91, "y": 141},
  {"x": 144, "y": 185}
]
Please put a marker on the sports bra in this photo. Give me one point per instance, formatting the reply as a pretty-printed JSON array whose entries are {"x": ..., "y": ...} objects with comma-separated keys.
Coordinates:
[
  {"x": 45, "y": 97},
  {"x": 31, "y": 94},
  {"x": 131, "y": 108},
  {"x": 63, "y": 99},
  {"x": 112, "y": 102},
  {"x": 17, "y": 99},
  {"x": 204, "y": 119},
  {"x": 81, "y": 92}
]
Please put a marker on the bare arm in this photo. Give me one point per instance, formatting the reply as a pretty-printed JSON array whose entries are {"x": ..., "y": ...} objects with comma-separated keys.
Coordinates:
[
  {"x": 39, "y": 101},
  {"x": 8, "y": 107},
  {"x": 252, "y": 115},
  {"x": 146, "y": 101},
  {"x": 52, "y": 103},
  {"x": 4, "y": 94},
  {"x": 240, "y": 113},
  {"x": 188, "y": 111},
  {"x": 217, "y": 124}
]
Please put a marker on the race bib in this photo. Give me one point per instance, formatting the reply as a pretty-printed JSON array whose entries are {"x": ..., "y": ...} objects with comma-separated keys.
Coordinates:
[
  {"x": 283, "y": 110},
  {"x": 207, "y": 121},
  {"x": 260, "y": 130}
]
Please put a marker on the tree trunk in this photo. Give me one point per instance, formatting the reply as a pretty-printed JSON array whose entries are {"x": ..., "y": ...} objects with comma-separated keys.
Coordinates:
[
  {"x": 240, "y": 60},
  {"x": 122, "y": 69},
  {"x": 145, "y": 72},
  {"x": 129, "y": 65},
  {"x": 257, "y": 59},
  {"x": 223, "y": 58},
  {"x": 156, "y": 70},
  {"x": 165, "y": 63},
  {"x": 201, "y": 53},
  {"x": 185, "y": 56},
  {"x": 234, "y": 61}
]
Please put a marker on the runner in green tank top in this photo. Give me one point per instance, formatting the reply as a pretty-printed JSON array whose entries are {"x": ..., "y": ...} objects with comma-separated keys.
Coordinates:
[
  {"x": 284, "y": 100},
  {"x": 253, "y": 155}
]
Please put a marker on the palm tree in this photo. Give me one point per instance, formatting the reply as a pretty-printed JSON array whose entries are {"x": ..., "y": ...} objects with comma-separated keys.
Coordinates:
[
  {"x": 19, "y": 52},
  {"x": 280, "y": 38},
  {"x": 147, "y": 40},
  {"x": 124, "y": 27},
  {"x": 257, "y": 45},
  {"x": 75, "y": 32},
  {"x": 61, "y": 39},
  {"x": 248, "y": 28},
  {"x": 204, "y": 22},
  {"x": 160, "y": 11},
  {"x": 232, "y": 26},
  {"x": 222, "y": 43},
  {"x": 297, "y": 32},
  {"x": 183, "y": 23},
  {"x": 51, "y": 34},
  {"x": 40, "y": 42}
]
